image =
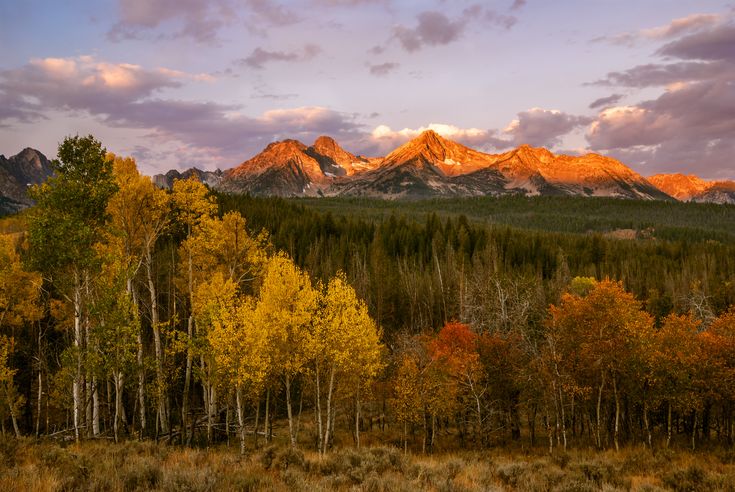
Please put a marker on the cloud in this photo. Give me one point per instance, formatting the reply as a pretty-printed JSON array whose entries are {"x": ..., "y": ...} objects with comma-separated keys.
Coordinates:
[
  {"x": 659, "y": 74},
  {"x": 605, "y": 101},
  {"x": 199, "y": 20},
  {"x": 260, "y": 57},
  {"x": 677, "y": 27},
  {"x": 692, "y": 123},
  {"x": 273, "y": 13},
  {"x": 716, "y": 44},
  {"x": 700, "y": 56},
  {"x": 542, "y": 127},
  {"x": 537, "y": 127},
  {"x": 383, "y": 139},
  {"x": 683, "y": 25},
  {"x": 350, "y": 3},
  {"x": 128, "y": 96},
  {"x": 383, "y": 69},
  {"x": 518, "y": 4},
  {"x": 687, "y": 126},
  {"x": 83, "y": 83},
  {"x": 435, "y": 28}
]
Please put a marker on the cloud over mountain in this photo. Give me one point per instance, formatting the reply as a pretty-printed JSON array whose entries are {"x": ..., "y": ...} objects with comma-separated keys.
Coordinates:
[{"x": 692, "y": 122}]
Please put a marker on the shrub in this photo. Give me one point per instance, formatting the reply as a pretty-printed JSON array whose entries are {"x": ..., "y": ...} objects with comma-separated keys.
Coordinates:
[
  {"x": 693, "y": 479},
  {"x": 143, "y": 475}
]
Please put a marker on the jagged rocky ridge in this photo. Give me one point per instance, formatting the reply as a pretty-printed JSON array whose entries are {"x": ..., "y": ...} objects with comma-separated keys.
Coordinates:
[
  {"x": 430, "y": 166},
  {"x": 693, "y": 188}
]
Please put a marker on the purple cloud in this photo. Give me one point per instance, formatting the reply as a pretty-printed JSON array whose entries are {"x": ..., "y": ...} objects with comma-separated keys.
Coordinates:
[
  {"x": 383, "y": 69},
  {"x": 692, "y": 122},
  {"x": 199, "y": 20},
  {"x": 273, "y": 13},
  {"x": 260, "y": 57},
  {"x": 127, "y": 96},
  {"x": 542, "y": 127},
  {"x": 605, "y": 101},
  {"x": 677, "y": 27},
  {"x": 518, "y": 4},
  {"x": 435, "y": 28},
  {"x": 717, "y": 44}
]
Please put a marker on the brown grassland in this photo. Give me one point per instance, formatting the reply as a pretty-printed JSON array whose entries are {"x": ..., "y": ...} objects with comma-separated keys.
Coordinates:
[{"x": 104, "y": 466}]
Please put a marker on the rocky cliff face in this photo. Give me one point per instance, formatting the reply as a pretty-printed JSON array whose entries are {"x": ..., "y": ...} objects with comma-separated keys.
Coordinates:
[
  {"x": 19, "y": 172},
  {"x": 210, "y": 178}
]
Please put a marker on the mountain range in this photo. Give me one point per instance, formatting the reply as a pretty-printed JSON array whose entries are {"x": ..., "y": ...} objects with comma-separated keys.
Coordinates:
[
  {"x": 433, "y": 166},
  {"x": 427, "y": 166}
]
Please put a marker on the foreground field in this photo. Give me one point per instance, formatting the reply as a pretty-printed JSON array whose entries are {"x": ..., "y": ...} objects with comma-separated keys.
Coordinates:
[{"x": 147, "y": 466}]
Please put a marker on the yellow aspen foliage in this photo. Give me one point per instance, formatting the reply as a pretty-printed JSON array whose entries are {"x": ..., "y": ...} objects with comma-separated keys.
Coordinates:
[
  {"x": 347, "y": 337},
  {"x": 19, "y": 304},
  {"x": 192, "y": 201},
  {"x": 225, "y": 245},
  {"x": 239, "y": 345},
  {"x": 286, "y": 307},
  {"x": 138, "y": 210},
  {"x": 19, "y": 289}
]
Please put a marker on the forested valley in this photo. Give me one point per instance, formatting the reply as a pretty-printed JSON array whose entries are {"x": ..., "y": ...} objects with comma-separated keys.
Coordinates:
[{"x": 188, "y": 318}]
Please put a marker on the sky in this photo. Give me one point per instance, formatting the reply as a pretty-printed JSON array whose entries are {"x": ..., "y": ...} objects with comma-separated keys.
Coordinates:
[{"x": 209, "y": 83}]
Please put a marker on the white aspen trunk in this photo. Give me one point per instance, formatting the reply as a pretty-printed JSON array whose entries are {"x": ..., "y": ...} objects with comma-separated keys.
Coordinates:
[
  {"x": 298, "y": 417},
  {"x": 213, "y": 404},
  {"x": 357, "y": 416},
  {"x": 95, "y": 408},
  {"x": 109, "y": 382},
  {"x": 617, "y": 414},
  {"x": 330, "y": 389},
  {"x": 89, "y": 380},
  {"x": 118, "y": 403},
  {"x": 598, "y": 418},
  {"x": 155, "y": 320},
  {"x": 141, "y": 370},
  {"x": 267, "y": 415},
  {"x": 319, "y": 411},
  {"x": 88, "y": 404},
  {"x": 257, "y": 419},
  {"x": 189, "y": 337},
  {"x": 668, "y": 425},
  {"x": 646, "y": 422},
  {"x": 40, "y": 399},
  {"x": 187, "y": 377},
  {"x": 9, "y": 398},
  {"x": 694, "y": 430},
  {"x": 76, "y": 383},
  {"x": 240, "y": 420},
  {"x": 288, "y": 410}
]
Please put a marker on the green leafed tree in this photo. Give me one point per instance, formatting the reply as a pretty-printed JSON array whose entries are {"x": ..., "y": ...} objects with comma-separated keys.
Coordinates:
[{"x": 67, "y": 221}]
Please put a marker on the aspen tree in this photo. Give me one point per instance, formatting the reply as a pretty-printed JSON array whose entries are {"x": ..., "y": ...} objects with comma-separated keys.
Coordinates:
[
  {"x": 286, "y": 309},
  {"x": 68, "y": 219}
]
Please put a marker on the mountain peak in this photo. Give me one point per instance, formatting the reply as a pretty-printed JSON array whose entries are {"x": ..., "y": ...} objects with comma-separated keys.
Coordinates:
[
  {"x": 325, "y": 141},
  {"x": 287, "y": 144},
  {"x": 691, "y": 187}
]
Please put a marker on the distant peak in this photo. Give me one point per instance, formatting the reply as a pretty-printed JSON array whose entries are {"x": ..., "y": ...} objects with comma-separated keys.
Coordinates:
[
  {"x": 324, "y": 140},
  {"x": 287, "y": 143}
]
